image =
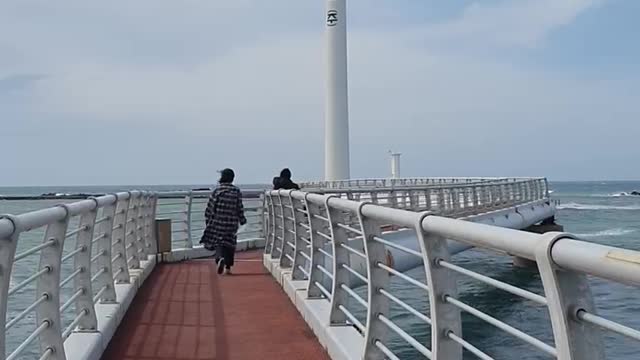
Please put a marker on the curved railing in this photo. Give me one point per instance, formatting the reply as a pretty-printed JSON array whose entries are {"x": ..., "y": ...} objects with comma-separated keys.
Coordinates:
[
  {"x": 75, "y": 253},
  {"x": 315, "y": 238},
  {"x": 73, "y": 257},
  {"x": 186, "y": 210},
  {"x": 404, "y": 182}
]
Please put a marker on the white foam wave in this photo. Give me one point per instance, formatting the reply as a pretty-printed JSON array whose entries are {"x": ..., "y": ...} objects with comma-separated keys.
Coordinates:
[
  {"x": 609, "y": 232},
  {"x": 577, "y": 206}
]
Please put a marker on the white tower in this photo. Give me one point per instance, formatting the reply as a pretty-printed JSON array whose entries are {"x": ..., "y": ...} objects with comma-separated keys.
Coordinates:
[
  {"x": 395, "y": 164},
  {"x": 336, "y": 162}
]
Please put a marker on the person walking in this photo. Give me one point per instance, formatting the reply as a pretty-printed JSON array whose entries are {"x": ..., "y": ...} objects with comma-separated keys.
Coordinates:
[
  {"x": 223, "y": 217},
  {"x": 284, "y": 181}
]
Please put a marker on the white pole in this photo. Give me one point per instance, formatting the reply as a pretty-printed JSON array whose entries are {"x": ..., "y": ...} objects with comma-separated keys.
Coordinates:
[
  {"x": 337, "y": 106},
  {"x": 395, "y": 165}
]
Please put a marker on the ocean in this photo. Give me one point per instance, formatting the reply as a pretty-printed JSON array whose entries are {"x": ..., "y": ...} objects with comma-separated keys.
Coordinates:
[{"x": 600, "y": 212}]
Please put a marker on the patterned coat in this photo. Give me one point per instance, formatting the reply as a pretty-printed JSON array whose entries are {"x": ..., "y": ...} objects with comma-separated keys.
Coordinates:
[{"x": 223, "y": 217}]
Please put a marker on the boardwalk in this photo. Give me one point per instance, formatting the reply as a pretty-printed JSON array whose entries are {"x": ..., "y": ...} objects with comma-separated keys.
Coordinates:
[{"x": 187, "y": 311}]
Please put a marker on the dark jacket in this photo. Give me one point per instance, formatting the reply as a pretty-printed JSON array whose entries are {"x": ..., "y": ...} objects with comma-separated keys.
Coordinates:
[
  {"x": 223, "y": 216},
  {"x": 284, "y": 184}
]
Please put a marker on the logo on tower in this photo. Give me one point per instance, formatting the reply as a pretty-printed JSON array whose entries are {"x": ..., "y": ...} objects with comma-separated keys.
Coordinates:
[{"x": 332, "y": 18}]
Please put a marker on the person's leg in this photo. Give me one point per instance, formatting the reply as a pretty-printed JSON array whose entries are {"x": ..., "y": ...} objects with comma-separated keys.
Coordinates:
[
  {"x": 229, "y": 258},
  {"x": 220, "y": 258}
]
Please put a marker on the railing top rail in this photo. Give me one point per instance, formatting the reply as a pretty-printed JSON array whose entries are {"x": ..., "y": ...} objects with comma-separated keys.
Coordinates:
[
  {"x": 408, "y": 184},
  {"x": 38, "y": 218},
  {"x": 563, "y": 260}
]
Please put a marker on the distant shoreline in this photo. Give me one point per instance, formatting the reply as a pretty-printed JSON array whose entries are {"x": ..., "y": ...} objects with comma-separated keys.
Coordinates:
[{"x": 248, "y": 194}]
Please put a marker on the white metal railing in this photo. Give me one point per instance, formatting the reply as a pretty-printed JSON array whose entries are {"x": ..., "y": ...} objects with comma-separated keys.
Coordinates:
[
  {"x": 315, "y": 236},
  {"x": 186, "y": 210},
  {"x": 77, "y": 253},
  {"x": 404, "y": 182}
]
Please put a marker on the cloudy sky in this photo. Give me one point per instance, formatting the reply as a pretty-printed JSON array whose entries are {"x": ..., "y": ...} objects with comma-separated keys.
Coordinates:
[{"x": 166, "y": 92}]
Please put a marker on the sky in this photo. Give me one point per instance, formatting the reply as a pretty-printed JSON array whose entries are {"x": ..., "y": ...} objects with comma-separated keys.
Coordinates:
[{"x": 168, "y": 92}]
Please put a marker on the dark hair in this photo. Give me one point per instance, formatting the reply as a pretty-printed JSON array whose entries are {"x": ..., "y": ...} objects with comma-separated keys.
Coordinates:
[
  {"x": 226, "y": 176},
  {"x": 285, "y": 173}
]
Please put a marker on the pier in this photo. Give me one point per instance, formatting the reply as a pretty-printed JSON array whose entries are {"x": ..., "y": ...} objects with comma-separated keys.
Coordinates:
[{"x": 313, "y": 275}]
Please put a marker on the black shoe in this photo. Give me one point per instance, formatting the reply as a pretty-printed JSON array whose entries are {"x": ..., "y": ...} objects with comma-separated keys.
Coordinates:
[{"x": 220, "y": 265}]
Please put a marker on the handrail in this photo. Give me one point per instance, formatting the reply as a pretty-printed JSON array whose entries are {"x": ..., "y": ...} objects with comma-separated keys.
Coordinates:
[
  {"x": 89, "y": 231},
  {"x": 187, "y": 216},
  {"x": 337, "y": 226}
]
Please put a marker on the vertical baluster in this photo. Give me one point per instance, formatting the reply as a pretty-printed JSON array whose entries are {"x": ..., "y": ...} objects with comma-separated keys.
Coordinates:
[
  {"x": 445, "y": 317},
  {"x": 441, "y": 201},
  {"x": 378, "y": 279},
  {"x": 475, "y": 197},
  {"x": 374, "y": 197},
  {"x": 146, "y": 226},
  {"x": 301, "y": 246},
  {"x": 131, "y": 250},
  {"x": 288, "y": 237},
  {"x": 119, "y": 261},
  {"x": 317, "y": 242},
  {"x": 7, "y": 253},
  {"x": 271, "y": 216},
  {"x": 139, "y": 228},
  {"x": 152, "y": 242},
  {"x": 82, "y": 262},
  {"x": 49, "y": 283},
  {"x": 427, "y": 195},
  {"x": 277, "y": 226},
  {"x": 566, "y": 293},
  {"x": 341, "y": 276},
  {"x": 104, "y": 262},
  {"x": 188, "y": 203},
  {"x": 283, "y": 228}
]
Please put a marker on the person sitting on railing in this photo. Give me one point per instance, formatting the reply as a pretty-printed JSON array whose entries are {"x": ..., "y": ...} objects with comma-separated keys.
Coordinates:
[
  {"x": 284, "y": 181},
  {"x": 223, "y": 216}
]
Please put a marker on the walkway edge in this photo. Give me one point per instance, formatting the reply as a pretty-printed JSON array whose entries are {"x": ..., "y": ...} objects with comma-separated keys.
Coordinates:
[
  {"x": 91, "y": 345},
  {"x": 341, "y": 342}
]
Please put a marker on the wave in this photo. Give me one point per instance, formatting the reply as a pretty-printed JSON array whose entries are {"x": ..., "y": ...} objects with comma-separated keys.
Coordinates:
[
  {"x": 609, "y": 232},
  {"x": 577, "y": 206},
  {"x": 621, "y": 194}
]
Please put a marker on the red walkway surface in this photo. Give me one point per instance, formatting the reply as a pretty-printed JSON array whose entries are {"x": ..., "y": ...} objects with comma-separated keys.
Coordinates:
[{"x": 187, "y": 311}]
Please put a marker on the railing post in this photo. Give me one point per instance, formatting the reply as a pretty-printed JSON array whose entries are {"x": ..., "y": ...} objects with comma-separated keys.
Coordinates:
[
  {"x": 104, "y": 262},
  {"x": 465, "y": 198},
  {"x": 301, "y": 244},
  {"x": 288, "y": 235},
  {"x": 445, "y": 318},
  {"x": 188, "y": 202},
  {"x": 263, "y": 218},
  {"x": 152, "y": 242},
  {"x": 7, "y": 253},
  {"x": 475, "y": 197},
  {"x": 374, "y": 197},
  {"x": 568, "y": 292},
  {"x": 414, "y": 200},
  {"x": 441, "y": 201},
  {"x": 317, "y": 258},
  {"x": 283, "y": 226},
  {"x": 340, "y": 256},
  {"x": 131, "y": 248},
  {"x": 139, "y": 228},
  {"x": 82, "y": 263},
  {"x": 427, "y": 195},
  {"x": 271, "y": 218},
  {"x": 49, "y": 284},
  {"x": 455, "y": 194},
  {"x": 378, "y": 279},
  {"x": 121, "y": 273},
  {"x": 147, "y": 225}
]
